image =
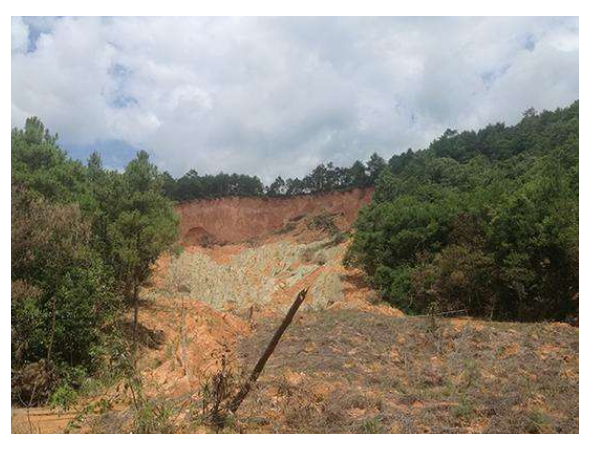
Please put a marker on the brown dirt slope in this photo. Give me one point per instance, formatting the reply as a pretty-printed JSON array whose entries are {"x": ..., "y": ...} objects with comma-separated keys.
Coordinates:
[
  {"x": 351, "y": 371},
  {"x": 190, "y": 334},
  {"x": 231, "y": 220}
]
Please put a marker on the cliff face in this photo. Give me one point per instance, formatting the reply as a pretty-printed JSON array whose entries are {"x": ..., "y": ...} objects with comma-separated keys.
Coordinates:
[{"x": 239, "y": 219}]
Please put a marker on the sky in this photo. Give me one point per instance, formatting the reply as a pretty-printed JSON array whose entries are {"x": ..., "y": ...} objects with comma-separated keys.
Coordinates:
[{"x": 277, "y": 96}]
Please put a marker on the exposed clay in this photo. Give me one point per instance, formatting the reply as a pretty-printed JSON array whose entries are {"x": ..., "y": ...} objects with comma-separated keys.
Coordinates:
[{"x": 239, "y": 219}]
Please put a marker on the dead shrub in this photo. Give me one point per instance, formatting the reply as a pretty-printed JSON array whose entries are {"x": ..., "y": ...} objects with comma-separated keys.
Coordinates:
[
  {"x": 323, "y": 222},
  {"x": 34, "y": 383},
  {"x": 219, "y": 390},
  {"x": 302, "y": 411}
]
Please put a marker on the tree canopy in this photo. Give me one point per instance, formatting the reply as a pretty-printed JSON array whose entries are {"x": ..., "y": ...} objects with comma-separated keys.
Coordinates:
[
  {"x": 83, "y": 240},
  {"x": 323, "y": 178},
  {"x": 485, "y": 221}
]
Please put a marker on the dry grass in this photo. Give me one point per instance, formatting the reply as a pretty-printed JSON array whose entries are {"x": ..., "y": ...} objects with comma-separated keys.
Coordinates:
[
  {"x": 349, "y": 371},
  {"x": 20, "y": 423}
]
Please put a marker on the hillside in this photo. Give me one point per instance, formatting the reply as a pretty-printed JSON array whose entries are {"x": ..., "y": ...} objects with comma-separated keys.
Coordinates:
[
  {"x": 138, "y": 317},
  {"x": 348, "y": 371},
  {"x": 348, "y": 363},
  {"x": 486, "y": 221}
]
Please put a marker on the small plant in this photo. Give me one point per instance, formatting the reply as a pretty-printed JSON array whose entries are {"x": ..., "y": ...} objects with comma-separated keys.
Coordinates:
[
  {"x": 538, "y": 422},
  {"x": 323, "y": 222},
  {"x": 463, "y": 410},
  {"x": 153, "y": 419},
  {"x": 65, "y": 397},
  {"x": 432, "y": 312},
  {"x": 372, "y": 426},
  {"x": 471, "y": 372},
  {"x": 218, "y": 391},
  {"x": 102, "y": 406}
]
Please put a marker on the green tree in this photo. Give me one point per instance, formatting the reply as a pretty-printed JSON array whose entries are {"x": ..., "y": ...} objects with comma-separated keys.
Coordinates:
[
  {"x": 375, "y": 167},
  {"x": 277, "y": 188},
  {"x": 485, "y": 220},
  {"x": 358, "y": 175},
  {"x": 81, "y": 238},
  {"x": 144, "y": 227},
  {"x": 62, "y": 291}
]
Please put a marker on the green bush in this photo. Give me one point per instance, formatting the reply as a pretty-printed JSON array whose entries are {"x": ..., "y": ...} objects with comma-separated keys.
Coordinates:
[{"x": 65, "y": 397}]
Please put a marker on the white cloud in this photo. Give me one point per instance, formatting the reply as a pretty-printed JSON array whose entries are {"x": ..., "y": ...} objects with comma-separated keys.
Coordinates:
[
  {"x": 19, "y": 35},
  {"x": 278, "y": 95}
]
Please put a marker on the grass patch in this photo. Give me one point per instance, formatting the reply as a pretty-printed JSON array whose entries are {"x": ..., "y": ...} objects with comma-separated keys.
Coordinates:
[{"x": 459, "y": 379}]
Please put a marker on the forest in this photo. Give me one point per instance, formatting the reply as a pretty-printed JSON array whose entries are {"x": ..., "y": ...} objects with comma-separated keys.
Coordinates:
[{"x": 482, "y": 221}]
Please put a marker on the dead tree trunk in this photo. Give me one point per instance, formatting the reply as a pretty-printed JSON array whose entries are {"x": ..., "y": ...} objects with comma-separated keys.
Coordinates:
[
  {"x": 52, "y": 330},
  {"x": 135, "y": 322},
  {"x": 183, "y": 332},
  {"x": 260, "y": 365}
]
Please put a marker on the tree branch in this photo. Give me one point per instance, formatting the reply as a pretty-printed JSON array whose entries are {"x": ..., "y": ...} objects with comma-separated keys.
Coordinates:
[{"x": 260, "y": 365}]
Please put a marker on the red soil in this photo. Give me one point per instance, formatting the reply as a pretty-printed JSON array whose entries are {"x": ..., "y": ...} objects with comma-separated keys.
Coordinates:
[
  {"x": 177, "y": 366},
  {"x": 239, "y": 219}
]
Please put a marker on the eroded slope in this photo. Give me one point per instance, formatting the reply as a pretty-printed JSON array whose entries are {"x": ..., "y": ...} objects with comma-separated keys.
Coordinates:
[
  {"x": 233, "y": 220},
  {"x": 347, "y": 363}
]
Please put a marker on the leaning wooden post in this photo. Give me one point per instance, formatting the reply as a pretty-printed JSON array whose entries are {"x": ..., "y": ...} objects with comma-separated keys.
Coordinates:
[{"x": 260, "y": 365}]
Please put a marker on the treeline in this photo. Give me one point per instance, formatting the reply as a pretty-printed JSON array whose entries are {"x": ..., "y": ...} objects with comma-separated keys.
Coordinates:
[
  {"x": 323, "y": 178},
  {"x": 482, "y": 221},
  {"x": 83, "y": 241}
]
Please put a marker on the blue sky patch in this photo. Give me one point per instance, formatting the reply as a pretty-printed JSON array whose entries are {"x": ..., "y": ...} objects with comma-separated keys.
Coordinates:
[{"x": 115, "y": 153}]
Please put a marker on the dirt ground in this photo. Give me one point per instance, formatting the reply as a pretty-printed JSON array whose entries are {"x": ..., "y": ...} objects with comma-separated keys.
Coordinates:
[
  {"x": 39, "y": 420},
  {"x": 353, "y": 371}
]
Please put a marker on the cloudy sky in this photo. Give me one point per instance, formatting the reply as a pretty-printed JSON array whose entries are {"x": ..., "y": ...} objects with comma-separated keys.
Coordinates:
[{"x": 272, "y": 96}]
